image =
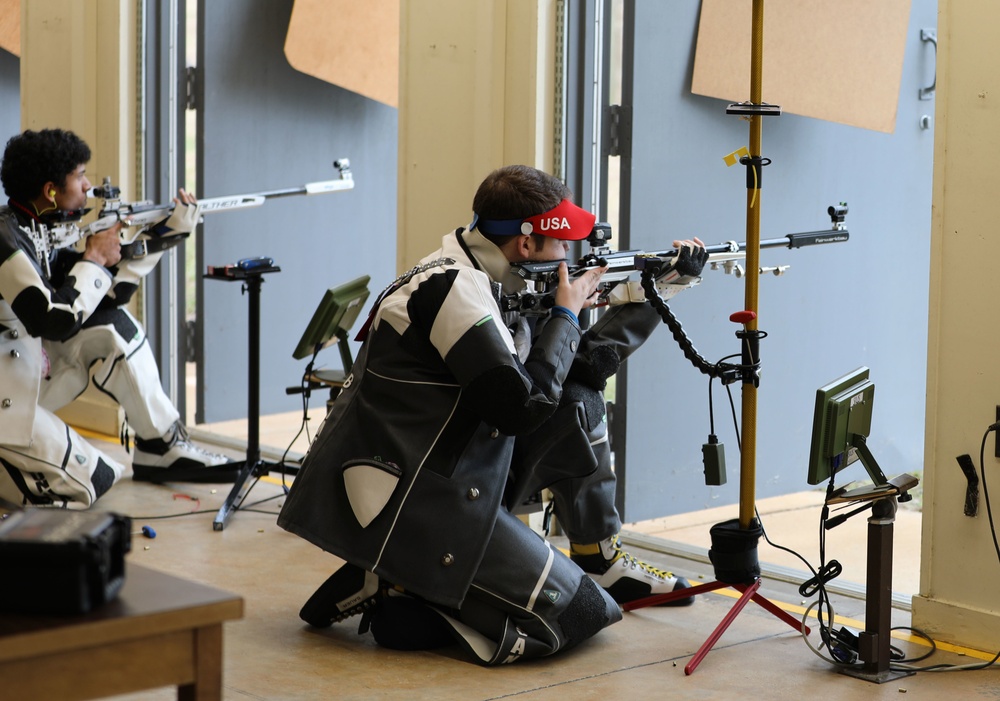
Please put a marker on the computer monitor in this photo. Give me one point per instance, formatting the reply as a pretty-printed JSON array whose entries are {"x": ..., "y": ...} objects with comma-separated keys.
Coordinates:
[
  {"x": 841, "y": 422},
  {"x": 336, "y": 313}
]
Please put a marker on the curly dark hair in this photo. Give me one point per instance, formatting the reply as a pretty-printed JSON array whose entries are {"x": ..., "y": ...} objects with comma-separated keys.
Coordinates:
[{"x": 34, "y": 158}]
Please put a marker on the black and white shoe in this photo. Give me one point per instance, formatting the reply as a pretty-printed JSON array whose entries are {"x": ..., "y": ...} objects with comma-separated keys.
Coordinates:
[
  {"x": 625, "y": 577},
  {"x": 347, "y": 592},
  {"x": 174, "y": 458}
]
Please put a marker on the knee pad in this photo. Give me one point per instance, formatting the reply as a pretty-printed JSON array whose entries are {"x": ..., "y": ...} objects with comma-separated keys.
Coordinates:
[{"x": 587, "y": 613}]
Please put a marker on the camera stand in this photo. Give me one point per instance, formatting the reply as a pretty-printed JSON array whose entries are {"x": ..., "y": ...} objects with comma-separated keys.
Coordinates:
[
  {"x": 253, "y": 467},
  {"x": 734, "y": 543}
]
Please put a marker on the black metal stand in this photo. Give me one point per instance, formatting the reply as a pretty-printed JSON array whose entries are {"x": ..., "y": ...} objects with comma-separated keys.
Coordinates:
[
  {"x": 874, "y": 644},
  {"x": 253, "y": 467}
]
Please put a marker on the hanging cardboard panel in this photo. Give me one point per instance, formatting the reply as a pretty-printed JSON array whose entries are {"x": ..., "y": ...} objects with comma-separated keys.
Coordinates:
[
  {"x": 351, "y": 44},
  {"x": 838, "y": 61},
  {"x": 10, "y": 26}
]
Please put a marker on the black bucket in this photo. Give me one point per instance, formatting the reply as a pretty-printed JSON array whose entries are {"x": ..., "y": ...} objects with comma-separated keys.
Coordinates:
[{"x": 734, "y": 552}]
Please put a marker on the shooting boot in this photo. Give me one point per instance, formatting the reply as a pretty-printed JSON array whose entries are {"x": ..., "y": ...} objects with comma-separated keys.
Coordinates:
[
  {"x": 174, "y": 458},
  {"x": 625, "y": 577},
  {"x": 347, "y": 592}
]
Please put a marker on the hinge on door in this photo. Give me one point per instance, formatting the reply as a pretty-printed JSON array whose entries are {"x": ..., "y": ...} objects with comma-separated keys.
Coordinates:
[
  {"x": 190, "y": 338},
  {"x": 189, "y": 87},
  {"x": 619, "y": 119}
]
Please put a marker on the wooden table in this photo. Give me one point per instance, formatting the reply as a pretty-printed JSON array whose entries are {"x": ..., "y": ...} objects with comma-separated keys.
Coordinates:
[{"x": 160, "y": 631}]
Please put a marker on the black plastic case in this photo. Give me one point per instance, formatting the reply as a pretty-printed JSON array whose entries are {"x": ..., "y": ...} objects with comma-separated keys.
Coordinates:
[{"x": 61, "y": 562}]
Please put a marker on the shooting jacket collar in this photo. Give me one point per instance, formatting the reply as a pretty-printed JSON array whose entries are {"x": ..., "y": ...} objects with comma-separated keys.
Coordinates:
[
  {"x": 27, "y": 213},
  {"x": 23, "y": 212},
  {"x": 486, "y": 256}
]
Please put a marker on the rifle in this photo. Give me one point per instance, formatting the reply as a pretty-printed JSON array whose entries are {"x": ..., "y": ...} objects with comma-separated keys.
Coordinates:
[
  {"x": 622, "y": 264},
  {"x": 141, "y": 215}
]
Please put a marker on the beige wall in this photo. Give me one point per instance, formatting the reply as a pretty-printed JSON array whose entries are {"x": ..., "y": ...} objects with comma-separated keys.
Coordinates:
[
  {"x": 78, "y": 72},
  {"x": 476, "y": 92},
  {"x": 960, "y": 573}
]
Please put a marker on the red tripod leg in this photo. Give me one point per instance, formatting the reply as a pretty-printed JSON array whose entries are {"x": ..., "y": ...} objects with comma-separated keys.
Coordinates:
[
  {"x": 706, "y": 647},
  {"x": 773, "y": 609},
  {"x": 670, "y": 596}
]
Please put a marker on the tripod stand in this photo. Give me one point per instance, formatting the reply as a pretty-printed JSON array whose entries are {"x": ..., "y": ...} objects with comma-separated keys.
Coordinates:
[
  {"x": 734, "y": 555},
  {"x": 253, "y": 467},
  {"x": 734, "y": 543}
]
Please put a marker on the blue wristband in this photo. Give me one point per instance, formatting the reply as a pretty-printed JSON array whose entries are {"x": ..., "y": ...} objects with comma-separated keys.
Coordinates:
[{"x": 563, "y": 311}]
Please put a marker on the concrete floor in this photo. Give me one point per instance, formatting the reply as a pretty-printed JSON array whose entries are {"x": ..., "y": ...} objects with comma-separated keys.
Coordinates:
[{"x": 270, "y": 654}]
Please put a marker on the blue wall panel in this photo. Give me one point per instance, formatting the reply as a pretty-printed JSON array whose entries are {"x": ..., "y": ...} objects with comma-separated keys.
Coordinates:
[
  {"x": 838, "y": 307},
  {"x": 263, "y": 126}
]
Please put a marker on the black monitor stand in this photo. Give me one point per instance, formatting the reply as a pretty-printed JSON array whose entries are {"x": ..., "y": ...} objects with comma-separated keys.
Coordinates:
[
  {"x": 253, "y": 467},
  {"x": 874, "y": 644}
]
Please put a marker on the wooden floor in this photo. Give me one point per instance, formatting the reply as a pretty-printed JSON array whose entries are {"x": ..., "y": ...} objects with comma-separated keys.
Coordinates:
[{"x": 272, "y": 655}]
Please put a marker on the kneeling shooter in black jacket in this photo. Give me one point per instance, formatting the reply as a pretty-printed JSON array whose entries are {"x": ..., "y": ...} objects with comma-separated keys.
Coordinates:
[{"x": 452, "y": 415}]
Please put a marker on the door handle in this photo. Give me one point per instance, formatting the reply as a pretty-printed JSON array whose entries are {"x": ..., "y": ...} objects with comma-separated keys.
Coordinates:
[{"x": 929, "y": 35}]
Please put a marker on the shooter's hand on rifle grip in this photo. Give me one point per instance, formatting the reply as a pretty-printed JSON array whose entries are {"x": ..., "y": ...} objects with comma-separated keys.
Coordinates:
[
  {"x": 184, "y": 218},
  {"x": 689, "y": 262},
  {"x": 104, "y": 247},
  {"x": 580, "y": 292}
]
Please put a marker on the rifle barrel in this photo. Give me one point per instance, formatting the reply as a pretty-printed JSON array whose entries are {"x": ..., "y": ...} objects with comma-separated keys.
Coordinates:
[{"x": 808, "y": 238}]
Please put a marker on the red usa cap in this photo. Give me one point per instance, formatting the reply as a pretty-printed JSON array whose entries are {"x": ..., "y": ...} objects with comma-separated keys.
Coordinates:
[{"x": 565, "y": 221}]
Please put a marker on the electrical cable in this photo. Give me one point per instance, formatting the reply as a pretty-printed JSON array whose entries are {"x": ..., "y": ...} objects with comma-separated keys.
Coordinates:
[
  {"x": 826, "y": 571},
  {"x": 711, "y": 403},
  {"x": 303, "y": 426},
  {"x": 306, "y": 391},
  {"x": 900, "y": 663},
  {"x": 823, "y": 602},
  {"x": 989, "y": 511},
  {"x": 920, "y": 634},
  {"x": 711, "y": 408},
  {"x": 986, "y": 491},
  {"x": 818, "y": 605}
]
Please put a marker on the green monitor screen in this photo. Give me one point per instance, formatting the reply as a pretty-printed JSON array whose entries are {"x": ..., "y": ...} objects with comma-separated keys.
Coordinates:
[
  {"x": 336, "y": 313},
  {"x": 843, "y": 418}
]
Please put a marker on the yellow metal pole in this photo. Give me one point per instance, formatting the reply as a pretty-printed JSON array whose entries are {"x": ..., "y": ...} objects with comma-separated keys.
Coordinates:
[{"x": 748, "y": 455}]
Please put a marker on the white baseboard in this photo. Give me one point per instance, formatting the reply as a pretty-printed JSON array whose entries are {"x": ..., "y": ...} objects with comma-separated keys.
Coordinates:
[{"x": 975, "y": 628}]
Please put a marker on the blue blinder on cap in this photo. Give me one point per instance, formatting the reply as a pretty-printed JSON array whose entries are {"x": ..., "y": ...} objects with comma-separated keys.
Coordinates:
[{"x": 496, "y": 227}]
